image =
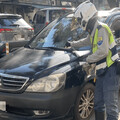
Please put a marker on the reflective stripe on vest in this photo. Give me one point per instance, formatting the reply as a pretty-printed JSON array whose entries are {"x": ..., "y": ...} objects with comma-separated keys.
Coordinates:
[{"x": 112, "y": 54}]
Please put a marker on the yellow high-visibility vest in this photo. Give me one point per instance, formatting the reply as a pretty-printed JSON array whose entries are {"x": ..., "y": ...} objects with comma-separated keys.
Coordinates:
[{"x": 112, "y": 56}]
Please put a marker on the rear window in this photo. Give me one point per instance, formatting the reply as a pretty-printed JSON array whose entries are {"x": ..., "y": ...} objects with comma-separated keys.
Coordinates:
[
  {"x": 13, "y": 22},
  {"x": 57, "y": 13},
  {"x": 40, "y": 17}
]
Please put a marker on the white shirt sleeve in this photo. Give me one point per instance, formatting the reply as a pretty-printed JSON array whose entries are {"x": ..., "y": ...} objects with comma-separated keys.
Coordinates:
[
  {"x": 103, "y": 47},
  {"x": 82, "y": 42}
]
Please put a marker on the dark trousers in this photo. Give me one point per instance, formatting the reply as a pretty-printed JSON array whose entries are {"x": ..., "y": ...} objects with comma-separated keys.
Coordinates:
[{"x": 106, "y": 93}]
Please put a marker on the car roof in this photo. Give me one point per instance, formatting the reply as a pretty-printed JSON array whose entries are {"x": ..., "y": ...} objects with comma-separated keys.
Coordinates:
[
  {"x": 58, "y": 8},
  {"x": 9, "y": 15},
  {"x": 105, "y": 13}
]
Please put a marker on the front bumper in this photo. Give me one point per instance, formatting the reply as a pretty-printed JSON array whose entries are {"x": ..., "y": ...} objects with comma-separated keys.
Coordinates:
[
  {"x": 8, "y": 116},
  {"x": 59, "y": 104}
]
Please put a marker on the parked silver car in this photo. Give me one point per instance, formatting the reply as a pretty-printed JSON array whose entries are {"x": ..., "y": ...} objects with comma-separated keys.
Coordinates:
[
  {"x": 44, "y": 16},
  {"x": 14, "y": 27},
  {"x": 15, "y": 30}
]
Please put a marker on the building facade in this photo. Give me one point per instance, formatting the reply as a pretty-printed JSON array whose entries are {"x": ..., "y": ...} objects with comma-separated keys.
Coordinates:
[{"x": 27, "y": 8}]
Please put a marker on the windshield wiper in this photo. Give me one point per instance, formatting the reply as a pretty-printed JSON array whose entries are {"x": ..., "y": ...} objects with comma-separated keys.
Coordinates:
[
  {"x": 62, "y": 49},
  {"x": 15, "y": 25},
  {"x": 50, "y": 48},
  {"x": 29, "y": 46}
]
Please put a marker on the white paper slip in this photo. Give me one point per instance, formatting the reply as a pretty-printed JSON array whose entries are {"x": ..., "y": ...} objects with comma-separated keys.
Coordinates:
[{"x": 3, "y": 105}]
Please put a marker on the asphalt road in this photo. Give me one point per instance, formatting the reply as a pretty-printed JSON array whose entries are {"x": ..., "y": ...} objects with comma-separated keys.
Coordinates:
[{"x": 93, "y": 116}]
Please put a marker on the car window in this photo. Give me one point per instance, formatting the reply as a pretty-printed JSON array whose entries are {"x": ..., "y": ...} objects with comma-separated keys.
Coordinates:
[
  {"x": 13, "y": 22},
  {"x": 116, "y": 28},
  {"x": 57, "y": 34},
  {"x": 40, "y": 17},
  {"x": 57, "y": 13},
  {"x": 102, "y": 19},
  {"x": 114, "y": 25}
]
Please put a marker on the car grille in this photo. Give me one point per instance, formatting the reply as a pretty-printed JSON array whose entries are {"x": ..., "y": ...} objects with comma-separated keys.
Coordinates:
[{"x": 12, "y": 82}]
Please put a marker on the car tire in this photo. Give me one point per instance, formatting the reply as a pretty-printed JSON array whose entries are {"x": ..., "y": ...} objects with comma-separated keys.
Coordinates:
[{"x": 85, "y": 103}]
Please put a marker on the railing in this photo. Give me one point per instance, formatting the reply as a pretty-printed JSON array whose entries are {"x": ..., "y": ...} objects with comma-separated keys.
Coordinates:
[{"x": 45, "y": 2}]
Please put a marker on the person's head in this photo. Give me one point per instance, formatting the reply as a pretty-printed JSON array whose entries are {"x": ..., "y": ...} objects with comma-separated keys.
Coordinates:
[{"x": 85, "y": 12}]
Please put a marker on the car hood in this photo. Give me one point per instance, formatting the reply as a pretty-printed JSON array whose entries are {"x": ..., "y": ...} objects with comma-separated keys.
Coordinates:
[{"x": 27, "y": 62}]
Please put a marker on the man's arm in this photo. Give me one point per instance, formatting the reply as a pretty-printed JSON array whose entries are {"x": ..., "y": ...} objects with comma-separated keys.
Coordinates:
[
  {"x": 103, "y": 47},
  {"x": 81, "y": 43}
]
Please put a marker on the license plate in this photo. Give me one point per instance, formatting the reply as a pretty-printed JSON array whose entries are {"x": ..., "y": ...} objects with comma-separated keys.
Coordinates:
[{"x": 3, "y": 105}]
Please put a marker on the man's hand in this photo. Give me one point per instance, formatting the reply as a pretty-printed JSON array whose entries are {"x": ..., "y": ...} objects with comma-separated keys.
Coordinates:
[
  {"x": 86, "y": 66},
  {"x": 89, "y": 69}
]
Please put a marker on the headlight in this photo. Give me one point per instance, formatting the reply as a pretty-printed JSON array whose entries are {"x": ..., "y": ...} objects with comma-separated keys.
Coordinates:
[{"x": 50, "y": 83}]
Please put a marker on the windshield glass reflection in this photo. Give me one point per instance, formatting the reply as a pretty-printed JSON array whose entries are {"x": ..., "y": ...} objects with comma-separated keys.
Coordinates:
[{"x": 57, "y": 34}]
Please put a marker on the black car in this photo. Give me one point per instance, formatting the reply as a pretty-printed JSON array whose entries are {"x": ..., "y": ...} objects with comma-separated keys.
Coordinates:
[
  {"x": 15, "y": 31},
  {"x": 45, "y": 80}
]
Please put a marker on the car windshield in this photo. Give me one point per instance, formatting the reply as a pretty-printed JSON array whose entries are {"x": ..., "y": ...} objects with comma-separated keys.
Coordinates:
[{"x": 57, "y": 34}]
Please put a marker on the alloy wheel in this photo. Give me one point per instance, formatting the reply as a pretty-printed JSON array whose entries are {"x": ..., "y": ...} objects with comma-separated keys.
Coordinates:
[{"x": 86, "y": 104}]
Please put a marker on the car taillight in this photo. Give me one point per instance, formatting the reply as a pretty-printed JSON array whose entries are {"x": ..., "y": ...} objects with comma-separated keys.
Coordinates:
[
  {"x": 63, "y": 8},
  {"x": 31, "y": 29},
  {"x": 47, "y": 23},
  {"x": 6, "y": 30},
  {"x": 4, "y": 50}
]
